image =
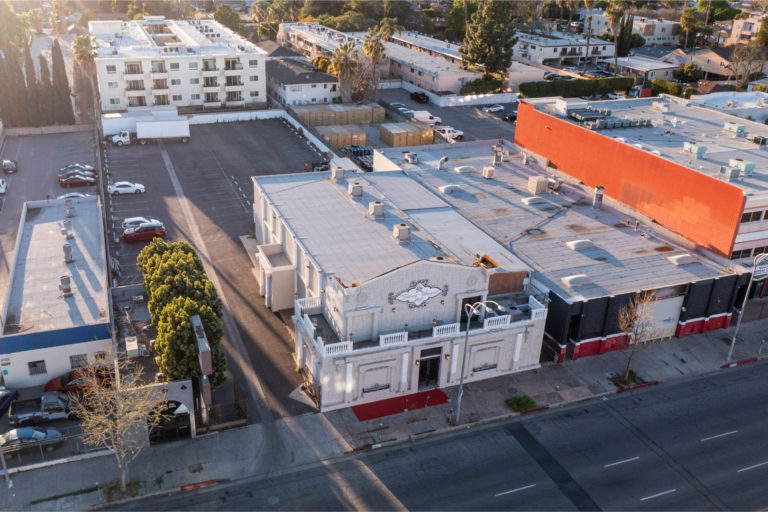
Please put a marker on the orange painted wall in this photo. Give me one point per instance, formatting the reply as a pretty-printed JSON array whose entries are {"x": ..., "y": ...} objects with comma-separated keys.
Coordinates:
[{"x": 703, "y": 209}]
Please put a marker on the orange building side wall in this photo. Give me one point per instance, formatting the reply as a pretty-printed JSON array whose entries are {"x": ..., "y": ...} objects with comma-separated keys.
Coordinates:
[{"x": 701, "y": 208}]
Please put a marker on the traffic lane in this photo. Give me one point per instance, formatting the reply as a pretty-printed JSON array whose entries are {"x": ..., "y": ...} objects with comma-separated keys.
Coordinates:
[
  {"x": 726, "y": 451},
  {"x": 39, "y": 158},
  {"x": 476, "y": 124}
]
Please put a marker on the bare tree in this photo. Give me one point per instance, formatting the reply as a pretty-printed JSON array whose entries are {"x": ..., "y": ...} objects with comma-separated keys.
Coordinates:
[
  {"x": 636, "y": 318},
  {"x": 117, "y": 410},
  {"x": 745, "y": 60}
]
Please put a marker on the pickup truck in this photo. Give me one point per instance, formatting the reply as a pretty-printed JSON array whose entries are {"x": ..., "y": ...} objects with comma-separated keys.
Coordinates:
[
  {"x": 50, "y": 406},
  {"x": 450, "y": 132}
]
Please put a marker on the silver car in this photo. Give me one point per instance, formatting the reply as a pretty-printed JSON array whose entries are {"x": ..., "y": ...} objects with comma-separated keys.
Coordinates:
[{"x": 132, "y": 222}]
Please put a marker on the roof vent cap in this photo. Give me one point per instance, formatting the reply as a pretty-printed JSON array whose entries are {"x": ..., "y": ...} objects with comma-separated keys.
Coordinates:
[
  {"x": 376, "y": 209},
  {"x": 337, "y": 173},
  {"x": 65, "y": 286},
  {"x": 579, "y": 245},
  {"x": 575, "y": 280},
  {"x": 68, "y": 228},
  {"x": 681, "y": 259},
  {"x": 355, "y": 189},
  {"x": 68, "y": 258},
  {"x": 401, "y": 232}
]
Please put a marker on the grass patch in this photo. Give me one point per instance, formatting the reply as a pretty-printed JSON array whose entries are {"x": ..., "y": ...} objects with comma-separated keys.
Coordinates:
[
  {"x": 73, "y": 493},
  {"x": 619, "y": 382},
  {"x": 113, "y": 492},
  {"x": 520, "y": 403}
]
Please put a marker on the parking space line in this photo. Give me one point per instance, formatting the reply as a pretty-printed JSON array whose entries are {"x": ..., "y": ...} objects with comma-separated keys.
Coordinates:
[
  {"x": 658, "y": 494},
  {"x": 514, "y": 490}
]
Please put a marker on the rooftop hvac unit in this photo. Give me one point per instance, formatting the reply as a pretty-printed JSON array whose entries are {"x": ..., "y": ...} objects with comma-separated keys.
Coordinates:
[
  {"x": 746, "y": 167},
  {"x": 488, "y": 172},
  {"x": 132, "y": 347},
  {"x": 757, "y": 139},
  {"x": 401, "y": 232},
  {"x": 736, "y": 128},
  {"x": 337, "y": 173},
  {"x": 463, "y": 169},
  {"x": 729, "y": 173},
  {"x": 695, "y": 149},
  {"x": 537, "y": 185},
  {"x": 411, "y": 158},
  {"x": 660, "y": 106}
]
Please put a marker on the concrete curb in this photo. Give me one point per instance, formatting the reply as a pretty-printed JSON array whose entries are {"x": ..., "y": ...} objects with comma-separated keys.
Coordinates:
[
  {"x": 739, "y": 363},
  {"x": 65, "y": 460}
]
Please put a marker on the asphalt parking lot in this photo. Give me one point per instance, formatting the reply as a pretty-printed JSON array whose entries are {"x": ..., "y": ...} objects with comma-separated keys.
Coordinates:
[
  {"x": 39, "y": 157},
  {"x": 202, "y": 192},
  {"x": 476, "y": 124}
]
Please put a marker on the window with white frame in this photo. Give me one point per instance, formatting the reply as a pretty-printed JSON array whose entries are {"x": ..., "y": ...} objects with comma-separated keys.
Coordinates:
[
  {"x": 175, "y": 81},
  {"x": 174, "y": 66},
  {"x": 194, "y": 81},
  {"x": 176, "y": 97},
  {"x": 193, "y": 66},
  {"x": 37, "y": 367},
  {"x": 253, "y": 63},
  {"x": 112, "y": 85},
  {"x": 195, "y": 97},
  {"x": 253, "y": 78},
  {"x": 254, "y": 94},
  {"x": 114, "y": 101},
  {"x": 111, "y": 69},
  {"x": 78, "y": 361}
]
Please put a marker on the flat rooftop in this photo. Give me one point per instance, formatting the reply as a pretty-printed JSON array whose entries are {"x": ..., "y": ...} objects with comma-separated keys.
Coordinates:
[
  {"x": 33, "y": 299},
  {"x": 642, "y": 63},
  {"x": 428, "y": 43},
  {"x": 685, "y": 121},
  {"x": 553, "y": 39},
  {"x": 156, "y": 36},
  {"x": 732, "y": 100},
  {"x": 537, "y": 228},
  {"x": 346, "y": 242}
]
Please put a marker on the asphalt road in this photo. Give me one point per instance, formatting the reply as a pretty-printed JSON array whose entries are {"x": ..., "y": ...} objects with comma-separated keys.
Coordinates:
[{"x": 694, "y": 445}]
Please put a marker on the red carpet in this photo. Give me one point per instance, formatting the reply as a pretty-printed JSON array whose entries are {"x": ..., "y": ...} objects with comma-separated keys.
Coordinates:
[{"x": 399, "y": 404}]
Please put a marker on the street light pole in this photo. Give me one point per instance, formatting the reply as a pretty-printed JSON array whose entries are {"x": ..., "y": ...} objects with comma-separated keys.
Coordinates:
[
  {"x": 471, "y": 309},
  {"x": 758, "y": 259}
]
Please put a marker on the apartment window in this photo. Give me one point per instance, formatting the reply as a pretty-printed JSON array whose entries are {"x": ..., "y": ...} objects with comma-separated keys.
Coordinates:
[
  {"x": 325, "y": 86},
  {"x": 161, "y": 100},
  {"x": 752, "y": 216},
  {"x": 253, "y": 78},
  {"x": 193, "y": 66},
  {"x": 211, "y": 97},
  {"x": 137, "y": 101},
  {"x": 253, "y": 64},
  {"x": 176, "y": 81},
  {"x": 194, "y": 81},
  {"x": 195, "y": 97},
  {"x": 114, "y": 101},
  {"x": 37, "y": 367},
  {"x": 176, "y": 97},
  {"x": 314, "y": 86},
  {"x": 111, "y": 69},
  {"x": 78, "y": 361},
  {"x": 744, "y": 253},
  {"x": 174, "y": 66},
  {"x": 133, "y": 69},
  {"x": 234, "y": 96},
  {"x": 112, "y": 85},
  {"x": 760, "y": 250},
  {"x": 254, "y": 94}
]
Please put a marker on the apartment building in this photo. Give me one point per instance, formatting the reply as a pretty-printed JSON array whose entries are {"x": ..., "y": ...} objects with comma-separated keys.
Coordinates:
[
  {"x": 560, "y": 48},
  {"x": 187, "y": 64},
  {"x": 644, "y": 69},
  {"x": 296, "y": 82},
  {"x": 57, "y": 312},
  {"x": 744, "y": 31},
  {"x": 378, "y": 270},
  {"x": 654, "y": 31}
]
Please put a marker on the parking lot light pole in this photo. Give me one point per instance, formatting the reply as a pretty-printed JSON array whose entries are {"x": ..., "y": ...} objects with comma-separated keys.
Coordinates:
[
  {"x": 471, "y": 309},
  {"x": 763, "y": 274}
]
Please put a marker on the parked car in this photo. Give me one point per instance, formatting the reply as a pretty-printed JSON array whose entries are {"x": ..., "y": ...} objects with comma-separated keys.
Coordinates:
[
  {"x": 77, "y": 167},
  {"x": 145, "y": 231},
  {"x": 76, "y": 380},
  {"x": 615, "y": 96},
  {"x": 3, "y": 186},
  {"x": 50, "y": 406},
  {"x": 30, "y": 438},
  {"x": 397, "y": 105},
  {"x": 451, "y": 132},
  {"x": 493, "y": 108},
  {"x": 76, "y": 180},
  {"x": 73, "y": 195},
  {"x": 132, "y": 222},
  {"x": 419, "y": 97},
  {"x": 10, "y": 166},
  {"x": 81, "y": 172},
  {"x": 125, "y": 187},
  {"x": 7, "y": 395}
]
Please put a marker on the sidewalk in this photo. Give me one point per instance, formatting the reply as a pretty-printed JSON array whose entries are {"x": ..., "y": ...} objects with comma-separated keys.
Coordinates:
[{"x": 263, "y": 449}]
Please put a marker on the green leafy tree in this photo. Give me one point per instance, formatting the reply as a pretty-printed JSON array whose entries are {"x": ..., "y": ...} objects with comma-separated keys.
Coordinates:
[
  {"x": 83, "y": 48},
  {"x": 490, "y": 38},
  {"x": 36, "y": 19},
  {"x": 761, "y": 39},
  {"x": 33, "y": 99},
  {"x": 45, "y": 92},
  {"x": 388, "y": 27},
  {"x": 689, "y": 73},
  {"x": 615, "y": 13},
  {"x": 321, "y": 62},
  {"x": 230, "y": 19},
  {"x": 688, "y": 23},
  {"x": 344, "y": 64},
  {"x": 12, "y": 27},
  {"x": 62, "y": 102},
  {"x": 16, "y": 90},
  {"x": 59, "y": 17}
]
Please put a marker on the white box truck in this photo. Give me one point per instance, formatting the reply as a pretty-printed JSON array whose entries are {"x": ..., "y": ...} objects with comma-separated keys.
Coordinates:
[
  {"x": 425, "y": 117},
  {"x": 148, "y": 130}
]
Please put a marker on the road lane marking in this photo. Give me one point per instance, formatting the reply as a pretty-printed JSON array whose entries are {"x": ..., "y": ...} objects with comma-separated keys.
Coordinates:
[
  {"x": 657, "y": 495},
  {"x": 514, "y": 490},
  {"x": 620, "y": 462},
  {"x": 719, "y": 435},
  {"x": 753, "y": 467}
]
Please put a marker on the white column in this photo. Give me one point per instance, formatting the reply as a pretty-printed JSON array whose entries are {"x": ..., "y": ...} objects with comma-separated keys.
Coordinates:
[
  {"x": 404, "y": 373},
  {"x": 518, "y": 347},
  {"x": 454, "y": 360},
  {"x": 349, "y": 383}
]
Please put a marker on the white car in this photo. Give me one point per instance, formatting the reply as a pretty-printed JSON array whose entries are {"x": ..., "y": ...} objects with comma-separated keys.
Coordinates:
[
  {"x": 3, "y": 186},
  {"x": 125, "y": 187},
  {"x": 451, "y": 132},
  {"x": 73, "y": 195},
  {"x": 615, "y": 96},
  {"x": 493, "y": 108},
  {"x": 132, "y": 222}
]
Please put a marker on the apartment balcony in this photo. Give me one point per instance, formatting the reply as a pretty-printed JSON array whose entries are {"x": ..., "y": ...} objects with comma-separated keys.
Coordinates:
[
  {"x": 159, "y": 89},
  {"x": 158, "y": 75},
  {"x": 308, "y": 317},
  {"x": 211, "y": 88},
  {"x": 233, "y": 88},
  {"x": 133, "y": 75},
  {"x": 212, "y": 104},
  {"x": 233, "y": 70},
  {"x": 210, "y": 71},
  {"x": 135, "y": 92},
  {"x": 235, "y": 103}
]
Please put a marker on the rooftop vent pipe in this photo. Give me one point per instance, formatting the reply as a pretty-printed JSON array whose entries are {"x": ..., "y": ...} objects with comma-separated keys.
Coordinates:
[
  {"x": 68, "y": 258},
  {"x": 441, "y": 162},
  {"x": 64, "y": 286},
  {"x": 70, "y": 208},
  {"x": 401, "y": 232},
  {"x": 68, "y": 229},
  {"x": 597, "y": 201},
  {"x": 337, "y": 173},
  {"x": 355, "y": 189},
  {"x": 376, "y": 209}
]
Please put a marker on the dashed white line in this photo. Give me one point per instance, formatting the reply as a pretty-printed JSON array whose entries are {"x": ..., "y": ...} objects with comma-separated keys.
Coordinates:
[
  {"x": 620, "y": 462},
  {"x": 752, "y": 467},
  {"x": 514, "y": 490},
  {"x": 657, "y": 495},
  {"x": 719, "y": 435}
]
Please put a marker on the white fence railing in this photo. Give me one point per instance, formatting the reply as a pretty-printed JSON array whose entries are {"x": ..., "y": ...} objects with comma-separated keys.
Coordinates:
[
  {"x": 397, "y": 338},
  {"x": 335, "y": 349},
  {"x": 445, "y": 330},
  {"x": 496, "y": 321},
  {"x": 310, "y": 305}
]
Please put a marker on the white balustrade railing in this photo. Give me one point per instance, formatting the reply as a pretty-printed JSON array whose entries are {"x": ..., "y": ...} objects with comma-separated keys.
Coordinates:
[
  {"x": 445, "y": 330},
  {"x": 397, "y": 338},
  {"x": 496, "y": 321},
  {"x": 335, "y": 349},
  {"x": 311, "y": 305}
]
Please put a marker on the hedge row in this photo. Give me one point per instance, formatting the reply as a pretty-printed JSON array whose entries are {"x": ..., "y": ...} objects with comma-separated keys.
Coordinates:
[{"x": 576, "y": 87}]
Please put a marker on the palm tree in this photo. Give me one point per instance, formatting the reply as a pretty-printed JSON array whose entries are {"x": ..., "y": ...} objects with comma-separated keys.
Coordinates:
[
  {"x": 374, "y": 49},
  {"x": 688, "y": 22},
  {"x": 343, "y": 65},
  {"x": 389, "y": 27},
  {"x": 615, "y": 12},
  {"x": 588, "y": 6},
  {"x": 84, "y": 50},
  {"x": 59, "y": 17}
]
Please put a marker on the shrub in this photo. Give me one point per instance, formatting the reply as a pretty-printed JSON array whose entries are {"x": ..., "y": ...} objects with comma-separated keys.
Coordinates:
[
  {"x": 576, "y": 87},
  {"x": 662, "y": 86},
  {"x": 483, "y": 85},
  {"x": 520, "y": 403},
  {"x": 760, "y": 88}
]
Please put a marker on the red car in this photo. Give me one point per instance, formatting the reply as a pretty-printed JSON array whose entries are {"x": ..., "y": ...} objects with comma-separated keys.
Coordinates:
[
  {"x": 76, "y": 380},
  {"x": 76, "y": 180},
  {"x": 144, "y": 231}
]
